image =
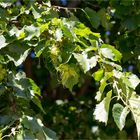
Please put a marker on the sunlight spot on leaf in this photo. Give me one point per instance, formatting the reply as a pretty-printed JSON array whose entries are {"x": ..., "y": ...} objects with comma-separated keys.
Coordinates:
[
  {"x": 119, "y": 115},
  {"x": 102, "y": 109},
  {"x": 2, "y": 42}
]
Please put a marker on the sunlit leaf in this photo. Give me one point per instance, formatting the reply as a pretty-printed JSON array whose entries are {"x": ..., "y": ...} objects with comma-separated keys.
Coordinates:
[
  {"x": 131, "y": 80},
  {"x": 40, "y": 48},
  {"x": 2, "y": 42},
  {"x": 6, "y": 4},
  {"x": 98, "y": 74},
  {"x": 83, "y": 32},
  {"x": 119, "y": 115},
  {"x": 106, "y": 52},
  {"x": 32, "y": 31},
  {"x": 134, "y": 80},
  {"x": 117, "y": 74},
  {"x": 18, "y": 60},
  {"x": 44, "y": 27},
  {"x": 113, "y": 65},
  {"x": 84, "y": 62},
  {"x": 102, "y": 109},
  {"x": 103, "y": 81},
  {"x": 98, "y": 96},
  {"x": 34, "y": 87},
  {"x": 92, "y": 62},
  {"x": 134, "y": 102},
  {"x": 58, "y": 35},
  {"x": 36, "y": 129},
  {"x": 110, "y": 52},
  {"x": 35, "y": 13}
]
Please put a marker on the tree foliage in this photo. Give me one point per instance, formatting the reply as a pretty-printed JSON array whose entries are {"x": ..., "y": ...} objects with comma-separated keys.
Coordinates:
[{"x": 70, "y": 49}]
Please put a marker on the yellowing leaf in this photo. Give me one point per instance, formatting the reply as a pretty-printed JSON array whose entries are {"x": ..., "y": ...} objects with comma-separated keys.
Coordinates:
[{"x": 69, "y": 75}]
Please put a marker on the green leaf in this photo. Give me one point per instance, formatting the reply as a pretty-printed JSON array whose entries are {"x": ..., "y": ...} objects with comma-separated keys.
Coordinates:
[
  {"x": 18, "y": 59},
  {"x": 18, "y": 33},
  {"x": 32, "y": 31},
  {"x": 98, "y": 74},
  {"x": 34, "y": 87},
  {"x": 112, "y": 64},
  {"x": 82, "y": 31},
  {"x": 66, "y": 32},
  {"x": 134, "y": 102},
  {"x": 69, "y": 75},
  {"x": 103, "y": 17},
  {"x": 35, "y": 92},
  {"x": 37, "y": 102},
  {"x": 68, "y": 49},
  {"x": 25, "y": 88},
  {"x": 93, "y": 17},
  {"x": 34, "y": 127},
  {"x": 19, "y": 136},
  {"x": 51, "y": 135},
  {"x": 110, "y": 52},
  {"x": 119, "y": 115},
  {"x": 103, "y": 82},
  {"x": 102, "y": 109},
  {"x": 40, "y": 48},
  {"x": 2, "y": 42},
  {"x": 44, "y": 27},
  {"x": 2, "y": 73}
]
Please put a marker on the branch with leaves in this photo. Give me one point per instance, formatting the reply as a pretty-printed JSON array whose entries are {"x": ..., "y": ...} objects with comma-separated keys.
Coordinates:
[{"x": 69, "y": 48}]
